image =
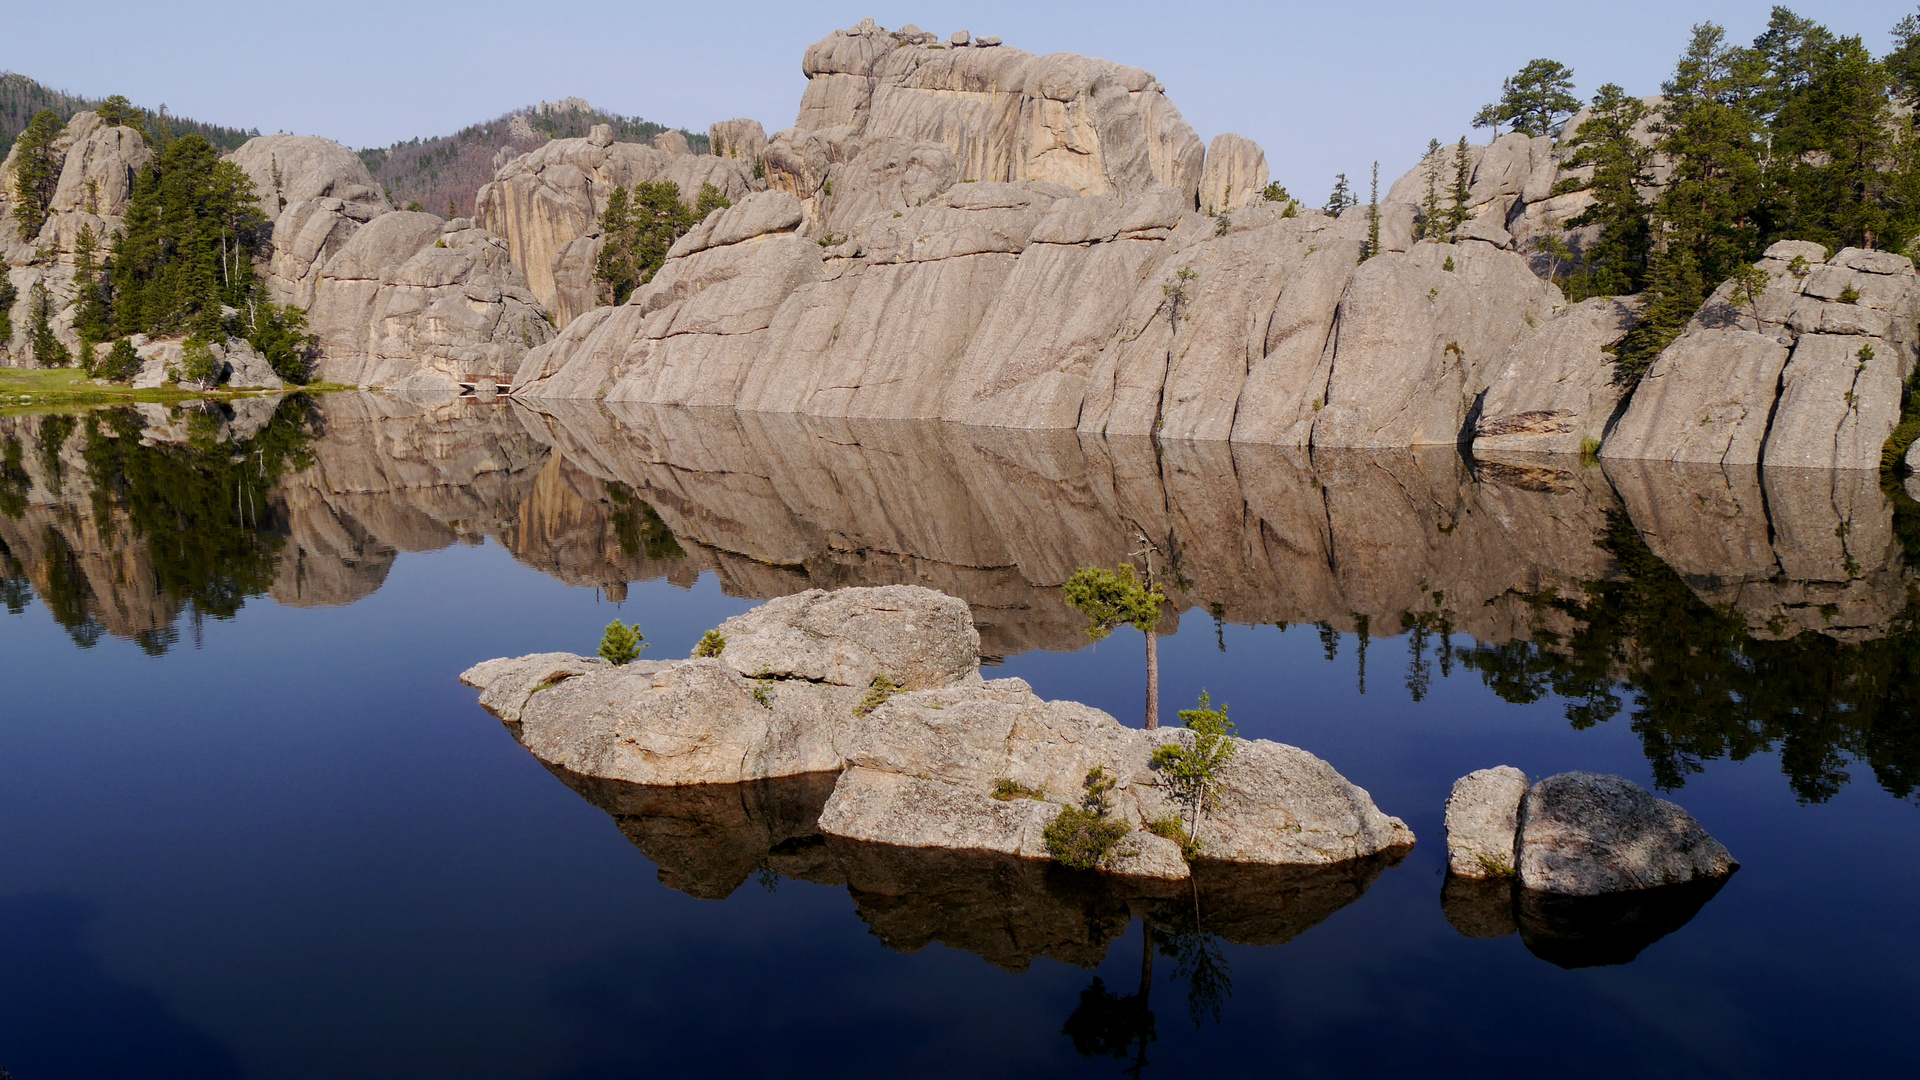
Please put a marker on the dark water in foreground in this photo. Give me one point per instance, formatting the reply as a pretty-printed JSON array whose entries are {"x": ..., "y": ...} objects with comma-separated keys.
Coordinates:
[{"x": 253, "y": 827}]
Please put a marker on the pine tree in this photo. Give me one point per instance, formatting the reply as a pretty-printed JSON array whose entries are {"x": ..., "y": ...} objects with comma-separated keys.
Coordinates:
[
  {"x": 8, "y": 296},
  {"x": 1342, "y": 196},
  {"x": 1373, "y": 218},
  {"x": 1674, "y": 292},
  {"x": 92, "y": 319},
  {"x": 1709, "y": 132},
  {"x": 47, "y": 349},
  {"x": 117, "y": 111},
  {"x": 622, "y": 644},
  {"x": 1533, "y": 102},
  {"x": 638, "y": 227},
  {"x": 36, "y": 172},
  {"x": 192, "y": 229},
  {"x": 1429, "y": 227},
  {"x": 1616, "y": 262},
  {"x": 1462, "y": 189}
]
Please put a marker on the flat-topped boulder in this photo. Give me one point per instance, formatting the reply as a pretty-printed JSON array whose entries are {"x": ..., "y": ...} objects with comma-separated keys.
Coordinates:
[{"x": 881, "y": 685}]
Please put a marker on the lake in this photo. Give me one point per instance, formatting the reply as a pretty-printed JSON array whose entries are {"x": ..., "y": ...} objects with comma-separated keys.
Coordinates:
[{"x": 255, "y": 827}]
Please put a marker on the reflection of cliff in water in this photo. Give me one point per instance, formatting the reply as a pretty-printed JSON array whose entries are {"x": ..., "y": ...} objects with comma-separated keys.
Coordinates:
[
  {"x": 709, "y": 840},
  {"x": 1725, "y": 612}
]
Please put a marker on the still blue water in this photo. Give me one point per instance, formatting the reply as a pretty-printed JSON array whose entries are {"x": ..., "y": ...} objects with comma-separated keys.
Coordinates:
[{"x": 292, "y": 845}]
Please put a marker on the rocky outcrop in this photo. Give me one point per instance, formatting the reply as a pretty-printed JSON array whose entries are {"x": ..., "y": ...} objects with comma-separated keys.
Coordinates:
[
  {"x": 1004, "y": 115},
  {"x": 929, "y": 755},
  {"x": 1589, "y": 869},
  {"x": 98, "y": 165},
  {"x": 547, "y": 204},
  {"x": 1482, "y": 820},
  {"x": 742, "y": 140},
  {"x": 411, "y": 294},
  {"x": 1235, "y": 175},
  {"x": 1575, "y": 834},
  {"x": 1583, "y": 834},
  {"x": 1807, "y": 375},
  {"x": 1559, "y": 389}
]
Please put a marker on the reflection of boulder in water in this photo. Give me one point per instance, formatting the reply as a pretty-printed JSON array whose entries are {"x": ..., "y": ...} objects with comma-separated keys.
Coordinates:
[
  {"x": 1004, "y": 909},
  {"x": 1478, "y": 907},
  {"x": 709, "y": 839},
  {"x": 1592, "y": 931}
]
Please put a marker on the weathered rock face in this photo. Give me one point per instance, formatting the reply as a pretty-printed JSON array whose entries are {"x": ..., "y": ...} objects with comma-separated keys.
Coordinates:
[
  {"x": 1582, "y": 834},
  {"x": 1005, "y": 115},
  {"x": 545, "y": 203},
  {"x": 1808, "y": 375},
  {"x": 916, "y": 637},
  {"x": 1557, "y": 391},
  {"x": 742, "y": 140},
  {"x": 1235, "y": 174},
  {"x": 921, "y": 765},
  {"x": 98, "y": 164},
  {"x": 412, "y": 294},
  {"x": 291, "y": 169},
  {"x": 1482, "y": 818}
]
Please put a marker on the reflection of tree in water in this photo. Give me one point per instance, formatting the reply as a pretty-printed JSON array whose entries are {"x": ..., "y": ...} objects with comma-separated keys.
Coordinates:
[
  {"x": 1704, "y": 688},
  {"x": 1121, "y": 1026},
  {"x": 638, "y": 527},
  {"x": 200, "y": 509}
]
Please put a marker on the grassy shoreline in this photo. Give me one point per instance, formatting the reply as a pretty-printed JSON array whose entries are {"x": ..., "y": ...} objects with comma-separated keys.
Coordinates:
[{"x": 36, "y": 390}]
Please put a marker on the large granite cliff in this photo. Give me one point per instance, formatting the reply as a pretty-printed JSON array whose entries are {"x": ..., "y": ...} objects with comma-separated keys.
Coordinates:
[{"x": 986, "y": 236}]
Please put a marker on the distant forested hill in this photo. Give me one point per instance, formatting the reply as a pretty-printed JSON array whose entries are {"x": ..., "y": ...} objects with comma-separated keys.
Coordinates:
[
  {"x": 449, "y": 170},
  {"x": 21, "y": 98}
]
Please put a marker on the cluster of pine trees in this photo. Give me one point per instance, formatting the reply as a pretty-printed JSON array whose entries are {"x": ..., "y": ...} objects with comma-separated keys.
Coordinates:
[
  {"x": 638, "y": 228},
  {"x": 182, "y": 264},
  {"x": 22, "y": 99},
  {"x": 1802, "y": 135}
]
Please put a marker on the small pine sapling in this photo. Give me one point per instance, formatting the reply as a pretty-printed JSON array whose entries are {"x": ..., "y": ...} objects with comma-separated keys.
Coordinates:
[
  {"x": 622, "y": 644},
  {"x": 711, "y": 644},
  {"x": 1192, "y": 768},
  {"x": 1749, "y": 285}
]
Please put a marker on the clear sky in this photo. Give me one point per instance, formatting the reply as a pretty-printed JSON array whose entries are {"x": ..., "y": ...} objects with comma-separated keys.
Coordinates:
[{"x": 1323, "y": 86}]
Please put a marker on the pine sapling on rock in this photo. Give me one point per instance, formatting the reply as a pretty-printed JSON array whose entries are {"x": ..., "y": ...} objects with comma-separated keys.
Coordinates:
[{"x": 622, "y": 644}]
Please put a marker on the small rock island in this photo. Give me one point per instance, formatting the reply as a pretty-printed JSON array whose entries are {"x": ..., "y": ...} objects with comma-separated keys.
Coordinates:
[{"x": 882, "y": 687}]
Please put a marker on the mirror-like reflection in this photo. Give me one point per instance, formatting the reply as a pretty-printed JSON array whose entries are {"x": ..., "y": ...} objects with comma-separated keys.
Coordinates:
[{"x": 1721, "y": 613}]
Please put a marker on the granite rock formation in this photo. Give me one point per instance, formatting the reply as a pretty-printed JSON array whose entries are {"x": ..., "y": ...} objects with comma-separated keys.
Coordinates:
[
  {"x": 547, "y": 204},
  {"x": 98, "y": 164},
  {"x": 1801, "y": 376},
  {"x": 1482, "y": 819},
  {"x": 920, "y": 753}
]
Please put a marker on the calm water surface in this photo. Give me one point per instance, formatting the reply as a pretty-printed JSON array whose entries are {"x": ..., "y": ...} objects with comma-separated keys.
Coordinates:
[{"x": 254, "y": 827}]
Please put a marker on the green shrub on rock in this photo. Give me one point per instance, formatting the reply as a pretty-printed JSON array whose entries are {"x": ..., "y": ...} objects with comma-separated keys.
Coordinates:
[
  {"x": 1081, "y": 837},
  {"x": 622, "y": 644},
  {"x": 711, "y": 644}
]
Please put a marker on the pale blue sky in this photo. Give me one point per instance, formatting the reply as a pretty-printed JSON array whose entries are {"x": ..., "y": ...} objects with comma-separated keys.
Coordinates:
[{"x": 1322, "y": 86}]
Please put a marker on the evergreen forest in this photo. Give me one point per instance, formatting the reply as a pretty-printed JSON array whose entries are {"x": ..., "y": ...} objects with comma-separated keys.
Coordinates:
[
  {"x": 21, "y": 99},
  {"x": 1803, "y": 134}
]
